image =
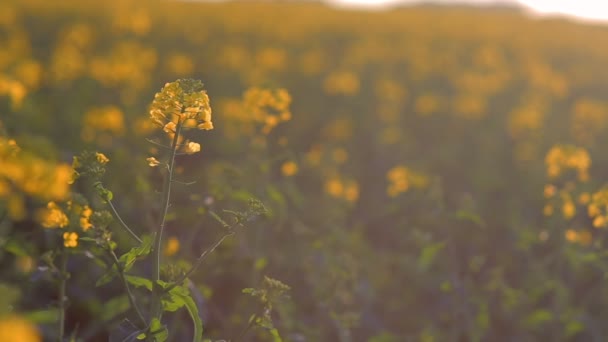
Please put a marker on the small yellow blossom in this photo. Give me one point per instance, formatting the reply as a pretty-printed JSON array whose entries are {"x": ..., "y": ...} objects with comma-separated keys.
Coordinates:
[
  {"x": 584, "y": 198},
  {"x": 152, "y": 162},
  {"x": 170, "y": 127},
  {"x": 207, "y": 125},
  {"x": 192, "y": 147},
  {"x": 568, "y": 210},
  {"x": 85, "y": 216},
  {"x": 289, "y": 169},
  {"x": 550, "y": 190},
  {"x": 599, "y": 221},
  {"x": 334, "y": 187},
  {"x": 571, "y": 235},
  {"x": 548, "y": 210},
  {"x": 172, "y": 246},
  {"x": 70, "y": 239},
  {"x": 101, "y": 158},
  {"x": 351, "y": 192}
]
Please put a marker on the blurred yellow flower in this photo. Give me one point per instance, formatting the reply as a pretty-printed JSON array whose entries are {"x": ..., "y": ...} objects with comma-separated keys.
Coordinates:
[
  {"x": 568, "y": 209},
  {"x": 14, "y": 328},
  {"x": 289, "y": 169},
  {"x": 550, "y": 190},
  {"x": 172, "y": 246}
]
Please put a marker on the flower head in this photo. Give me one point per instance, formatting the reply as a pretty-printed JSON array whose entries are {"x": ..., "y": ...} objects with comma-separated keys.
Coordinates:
[
  {"x": 152, "y": 162},
  {"x": 181, "y": 100},
  {"x": 70, "y": 239}
]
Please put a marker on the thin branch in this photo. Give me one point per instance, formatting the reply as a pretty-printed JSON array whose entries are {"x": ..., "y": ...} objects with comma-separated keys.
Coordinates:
[
  {"x": 184, "y": 183},
  {"x": 127, "y": 288},
  {"x": 158, "y": 144},
  {"x": 199, "y": 261},
  {"x": 124, "y": 225},
  {"x": 62, "y": 288},
  {"x": 251, "y": 323},
  {"x": 166, "y": 200}
]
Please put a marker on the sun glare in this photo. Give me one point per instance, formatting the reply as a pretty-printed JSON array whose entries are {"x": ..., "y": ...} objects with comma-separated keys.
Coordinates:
[{"x": 583, "y": 9}]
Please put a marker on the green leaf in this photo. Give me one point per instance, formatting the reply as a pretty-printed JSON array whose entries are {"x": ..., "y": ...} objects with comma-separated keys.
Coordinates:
[
  {"x": 428, "y": 254},
  {"x": 17, "y": 248},
  {"x": 180, "y": 296},
  {"x": 128, "y": 259},
  {"x": 158, "y": 330},
  {"x": 538, "y": 317},
  {"x": 471, "y": 217},
  {"x": 573, "y": 328},
  {"x": 139, "y": 281},
  {"x": 107, "y": 277},
  {"x": 46, "y": 316},
  {"x": 9, "y": 295},
  {"x": 114, "y": 307},
  {"x": 275, "y": 335}
]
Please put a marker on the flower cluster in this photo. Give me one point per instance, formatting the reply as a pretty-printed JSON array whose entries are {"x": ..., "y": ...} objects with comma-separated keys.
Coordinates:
[
  {"x": 269, "y": 107},
  {"x": 346, "y": 189},
  {"x": 181, "y": 102},
  {"x": 401, "y": 178},
  {"x": 73, "y": 215},
  {"x": 567, "y": 157},
  {"x": 597, "y": 209},
  {"x": 25, "y": 174}
]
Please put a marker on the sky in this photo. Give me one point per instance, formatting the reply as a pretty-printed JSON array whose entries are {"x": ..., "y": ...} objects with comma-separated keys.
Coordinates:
[{"x": 594, "y": 10}]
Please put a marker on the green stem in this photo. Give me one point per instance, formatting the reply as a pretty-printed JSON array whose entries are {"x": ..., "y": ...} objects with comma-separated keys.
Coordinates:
[
  {"x": 156, "y": 309},
  {"x": 128, "y": 289},
  {"x": 166, "y": 202},
  {"x": 122, "y": 223},
  {"x": 250, "y": 324},
  {"x": 63, "y": 276}
]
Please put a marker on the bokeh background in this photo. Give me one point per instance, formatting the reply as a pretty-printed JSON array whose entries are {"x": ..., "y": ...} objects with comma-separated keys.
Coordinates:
[{"x": 433, "y": 173}]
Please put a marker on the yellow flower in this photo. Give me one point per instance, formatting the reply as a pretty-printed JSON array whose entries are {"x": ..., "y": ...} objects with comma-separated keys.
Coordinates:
[
  {"x": 207, "y": 125},
  {"x": 170, "y": 127},
  {"x": 289, "y": 169},
  {"x": 334, "y": 187},
  {"x": 53, "y": 216},
  {"x": 584, "y": 198},
  {"x": 571, "y": 235},
  {"x": 599, "y": 221},
  {"x": 85, "y": 215},
  {"x": 18, "y": 329},
  {"x": 101, "y": 158},
  {"x": 153, "y": 162},
  {"x": 548, "y": 210},
  {"x": 568, "y": 210},
  {"x": 550, "y": 190},
  {"x": 180, "y": 101},
  {"x": 351, "y": 192},
  {"x": 172, "y": 246},
  {"x": 193, "y": 147},
  {"x": 70, "y": 239}
]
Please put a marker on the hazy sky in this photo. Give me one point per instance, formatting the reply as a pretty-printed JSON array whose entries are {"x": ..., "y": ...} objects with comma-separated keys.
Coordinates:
[{"x": 587, "y": 9}]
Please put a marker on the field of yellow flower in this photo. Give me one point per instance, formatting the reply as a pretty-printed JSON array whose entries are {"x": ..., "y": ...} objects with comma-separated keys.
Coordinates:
[{"x": 420, "y": 174}]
